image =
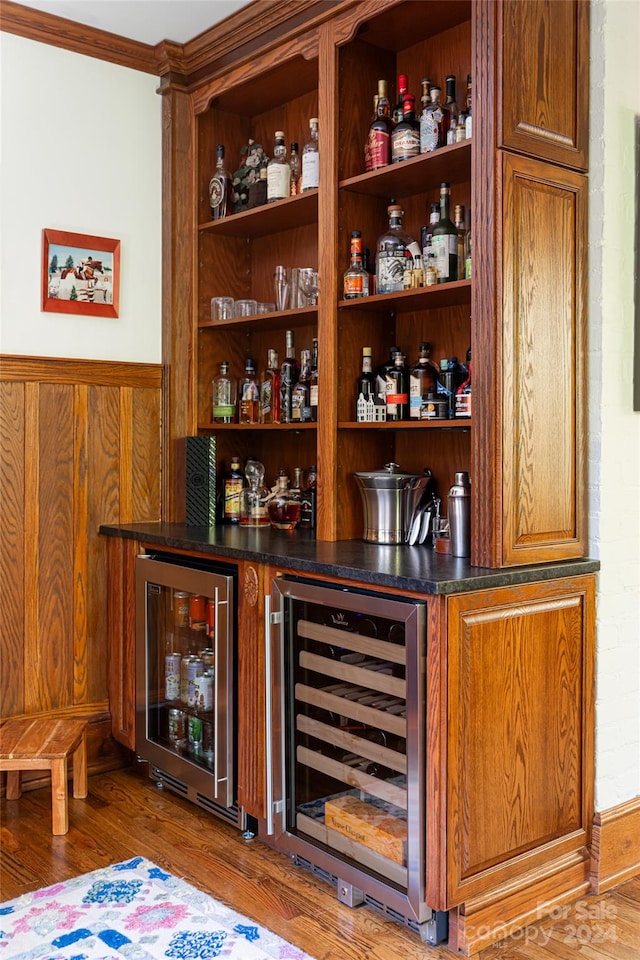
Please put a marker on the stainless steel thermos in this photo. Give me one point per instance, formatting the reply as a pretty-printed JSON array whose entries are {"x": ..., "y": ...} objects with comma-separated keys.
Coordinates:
[{"x": 459, "y": 509}]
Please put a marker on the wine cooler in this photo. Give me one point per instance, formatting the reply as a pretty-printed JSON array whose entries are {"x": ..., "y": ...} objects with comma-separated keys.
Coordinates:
[
  {"x": 346, "y": 744},
  {"x": 185, "y": 678}
]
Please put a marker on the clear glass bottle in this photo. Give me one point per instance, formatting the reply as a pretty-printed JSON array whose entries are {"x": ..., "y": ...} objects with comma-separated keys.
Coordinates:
[
  {"x": 397, "y": 388},
  {"x": 458, "y": 219},
  {"x": 289, "y": 374},
  {"x": 311, "y": 158},
  {"x": 468, "y": 109},
  {"x": 220, "y": 188},
  {"x": 394, "y": 252},
  {"x": 434, "y": 123},
  {"x": 423, "y": 380},
  {"x": 301, "y": 393},
  {"x": 426, "y": 238},
  {"x": 249, "y": 394},
  {"x": 296, "y": 168},
  {"x": 278, "y": 171},
  {"x": 356, "y": 278},
  {"x": 365, "y": 387},
  {"x": 224, "y": 395},
  {"x": 255, "y": 497},
  {"x": 270, "y": 390},
  {"x": 445, "y": 240},
  {"x": 378, "y": 146},
  {"x": 405, "y": 139}
]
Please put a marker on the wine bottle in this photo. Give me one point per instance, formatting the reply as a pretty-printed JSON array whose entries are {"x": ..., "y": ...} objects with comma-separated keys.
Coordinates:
[
  {"x": 445, "y": 240},
  {"x": 289, "y": 374},
  {"x": 220, "y": 188}
]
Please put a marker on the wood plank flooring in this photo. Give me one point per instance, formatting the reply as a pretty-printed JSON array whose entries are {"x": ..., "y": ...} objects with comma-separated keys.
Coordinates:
[{"x": 125, "y": 815}]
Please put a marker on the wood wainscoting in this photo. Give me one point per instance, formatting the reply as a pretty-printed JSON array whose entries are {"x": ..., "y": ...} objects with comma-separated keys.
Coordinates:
[
  {"x": 615, "y": 852},
  {"x": 80, "y": 446}
]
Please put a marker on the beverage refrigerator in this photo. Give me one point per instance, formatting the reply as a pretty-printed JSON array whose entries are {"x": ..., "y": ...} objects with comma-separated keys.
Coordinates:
[
  {"x": 346, "y": 796},
  {"x": 186, "y": 678}
]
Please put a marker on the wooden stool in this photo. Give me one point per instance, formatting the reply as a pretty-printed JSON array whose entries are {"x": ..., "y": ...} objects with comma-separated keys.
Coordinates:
[{"x": 46, "y": 744}]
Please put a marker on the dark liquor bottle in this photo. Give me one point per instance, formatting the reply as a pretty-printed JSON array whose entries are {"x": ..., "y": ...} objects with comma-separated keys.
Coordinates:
[
  {"x": 397, "y": 393},
  {"x": 356, "y": 278},
  {"x": 423, "y": 380},
  {"x": 398, "y": 111},
  {"x": 289, "y": 375},
  {"x": 463, "y": 393},
  {"x": 296, "y": 169},
  {"x": 378, "y": 146},
  {"x": 405, "y": 139},
  {"x": 445, "y": 240},
  {"x": 270, "y": 390},
  {"x": 301, "y": 393},
  {"x": 452, "y": 107},
  {"x": 381, "y": 375},
  {"x": 308, "y": 499},
  {"x": 232, "y": 487},
  {"x": 258, "y": 191},
  {"x": 434, "y": 123},
  {"x": 365, "y": 387},
  {"x": 313, "y": 383},
  {"x": 249, "y": 394},
  {"x": 220, "y": 188}
]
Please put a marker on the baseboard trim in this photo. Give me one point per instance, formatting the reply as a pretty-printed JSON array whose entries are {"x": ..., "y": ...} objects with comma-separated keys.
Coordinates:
[{"x": 615, "y": 850}]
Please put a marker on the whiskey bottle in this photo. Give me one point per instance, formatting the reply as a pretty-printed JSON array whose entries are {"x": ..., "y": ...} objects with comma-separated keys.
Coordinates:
[
  {"x": 278, "y": 171},
  {"x": 294, "y": 163},
  {"x": 405, "y": 139},
  {"x": 220, "y": 188},
  {"x": 426, "y": 242},
  {"x": 463, "y": 393},
  {"x": 445, "y": 240},
  {"x": 311, "y": 158},
  {"x": 289, "y": 374},
  {"x": 423, "y": 380},
  {"x": 249, "y": 394},
  {"x": 434, "y": 123},
  {"x": 378, "y": 146},
  {"x": 356, "y": 278},
  {"x": 308, "y": 499},
  {"x": 224, "y": 395},
  {"x": 397, "y": 389},
  {"x": 232, "y": 487},
  {"x": 270, "y": 390},
  {"x": 452, "y": 107},
  {"x": 398, "y": 110},
  {"x": 458, "y": 219},
  {"x": 395, "y": 251},
  {"x": 301, "y": 393},
  {"x": 365, "y": 387},
  {"x": 313, "y": 383}
]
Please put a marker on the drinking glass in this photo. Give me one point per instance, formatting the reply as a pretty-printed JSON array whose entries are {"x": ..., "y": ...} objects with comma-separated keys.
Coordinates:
[
  {"x": 266, "y": 307},
  {"x": 222, "y": 308},
  {"x": 246, "y": 308},
  {"x": 308, "y": 283},
  {"x": 282, "y": 287}
]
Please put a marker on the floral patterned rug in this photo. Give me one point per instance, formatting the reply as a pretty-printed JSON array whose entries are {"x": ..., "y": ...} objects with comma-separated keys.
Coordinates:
[{"x": 132, "y": 910}]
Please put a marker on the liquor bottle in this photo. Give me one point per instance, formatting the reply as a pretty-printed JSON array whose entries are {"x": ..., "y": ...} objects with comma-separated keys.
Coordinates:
[
  {"x": 294, "y": 163},
  {"x": 405, "y": 139},
  {"x": 278, "y": 171},
  {"x": 398, "y": 111},
  {"x": 461, "y": 128},
  {"x": 311, "y": 158},
  {"x": 426, "y": 234},
  {"x": 452, "y": 107},
  {"x": 301, "y": 393},
  {"x": 452, "y": 374},
  {"x": 458, "y": 219},
  {"x": 468, "y": 258},
  {"x": 224, "y": 395},
  {"x": 378, "y": 146},
  {"x": 381, "y": 375},
  {"x": 249, "y": 394},
  {"x": 232, "y": 487},
  {"x": 270, "y": 390},
  {"x": 356, "y": 278},
  {"x": 395, "y": 250},
  {"x": 445, "y": 240},
  {"x": 365, "y": 386},
  {"x": 258, "y": 191},
  {"x": 289, "y": 374},
  {"x": 397, "y": 388},
  {"x": 468, "y": 109},
  {"x": 284, "y": 507},
  {"x": 463, "y": 393},
  {"x": 308, "y": 494},
  {"x": 220, "y": 188},
  {"x": 313, "y": 383},
  {"x": 231, "y": 492},
  {"x": 434, "y": 123},
  {"x": 423, "y": 380}
]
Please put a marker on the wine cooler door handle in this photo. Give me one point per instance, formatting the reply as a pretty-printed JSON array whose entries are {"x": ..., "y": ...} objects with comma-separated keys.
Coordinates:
[
  {"x": 268, "y": 707},
  {"x": 223, "y": 685}
]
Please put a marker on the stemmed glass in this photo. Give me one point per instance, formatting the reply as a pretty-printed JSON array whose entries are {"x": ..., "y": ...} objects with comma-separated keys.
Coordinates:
[{"x": 308, "y": 283}]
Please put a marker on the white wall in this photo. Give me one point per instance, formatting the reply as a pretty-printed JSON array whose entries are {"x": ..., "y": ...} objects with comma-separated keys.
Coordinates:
[
  {"x": 80, "y": 152},
  {"x": 614, "y": 460}
]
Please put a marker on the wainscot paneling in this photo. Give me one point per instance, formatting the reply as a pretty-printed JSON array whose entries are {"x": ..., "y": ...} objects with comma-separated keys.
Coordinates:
[{"x": 79, "y": 446}]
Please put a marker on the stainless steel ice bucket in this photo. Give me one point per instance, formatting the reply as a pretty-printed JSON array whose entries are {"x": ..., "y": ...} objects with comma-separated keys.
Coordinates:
[{"x": 390, "y": 499}]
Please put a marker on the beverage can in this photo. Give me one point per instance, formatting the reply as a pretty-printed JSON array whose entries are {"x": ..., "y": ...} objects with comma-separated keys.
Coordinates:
[
  {"x": 176, "y": 725},
  {"x": 181, "y": 608},
  {"x": 194, "y": 729},
  {"x": 184, "y": 676},
  {"x": 209, "y": 656},
  {"x": 172, "y": 676},
  {"x": 197, "y": 610},
  {"x": 203, "y": 692},
  {"x": 195, "y": 669}
]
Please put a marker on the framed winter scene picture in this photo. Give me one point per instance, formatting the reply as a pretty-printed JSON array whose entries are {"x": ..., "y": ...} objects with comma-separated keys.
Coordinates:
[{"x": 80, "y": 274}]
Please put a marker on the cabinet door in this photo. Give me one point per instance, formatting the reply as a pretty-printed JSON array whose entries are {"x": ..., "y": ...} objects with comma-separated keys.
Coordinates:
[
  {"x": 544, "y": 75},
  {"x": 543, "y": 474},
  {"x": 121, "y": 625},
  {"x": 520, "y": 738}
]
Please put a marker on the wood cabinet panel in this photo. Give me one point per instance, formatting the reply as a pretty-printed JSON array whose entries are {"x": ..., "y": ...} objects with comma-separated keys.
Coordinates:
[
  {"x": 543, "y": 356},
  {"x": 520, "y": 737},
  {"x": 253, "y": 585},
  {"x": 545, "y": 109}
]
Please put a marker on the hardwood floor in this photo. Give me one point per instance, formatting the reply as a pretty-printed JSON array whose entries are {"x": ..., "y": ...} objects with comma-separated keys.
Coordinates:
[{"x": 125, "y": 815}]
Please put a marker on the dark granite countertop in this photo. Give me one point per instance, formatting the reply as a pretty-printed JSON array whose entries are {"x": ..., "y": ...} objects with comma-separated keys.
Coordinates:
[{"x": 416, "y": 568}]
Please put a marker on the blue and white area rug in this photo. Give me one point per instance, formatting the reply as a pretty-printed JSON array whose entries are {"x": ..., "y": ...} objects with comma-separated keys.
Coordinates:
[{"x": 132, "y": 910}]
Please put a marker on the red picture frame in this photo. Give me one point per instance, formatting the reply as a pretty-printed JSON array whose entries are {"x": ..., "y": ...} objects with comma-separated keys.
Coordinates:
[{"x": 80, "y": 274}]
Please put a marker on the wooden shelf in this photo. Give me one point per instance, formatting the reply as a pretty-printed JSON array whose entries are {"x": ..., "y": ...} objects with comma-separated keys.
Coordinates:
[
  {"x": 462, "y": 423},
  {"x": 451, "y": 164},
  {"x": 268, "y": 219},
  {"x": 299, "y": 317},
  {"x": 423, "y": 298},
  {"x": 295, "y": 427}
]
